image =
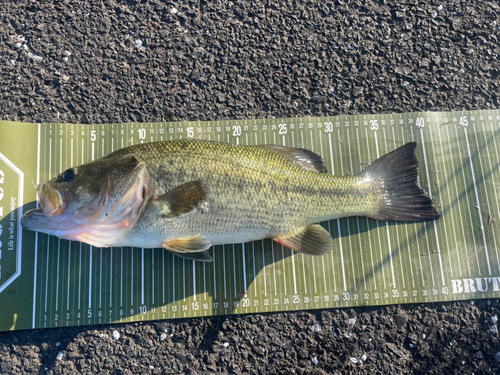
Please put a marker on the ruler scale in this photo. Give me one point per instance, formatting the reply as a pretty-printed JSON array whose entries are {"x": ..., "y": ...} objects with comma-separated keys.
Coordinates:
[{"x": 47, "y": 282}]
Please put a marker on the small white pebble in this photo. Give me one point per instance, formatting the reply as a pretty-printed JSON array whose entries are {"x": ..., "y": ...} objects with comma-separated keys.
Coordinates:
[
  {"x": 12, "y": 62},
  {"x": 58, "y": 343},
  {"x": 151, "y": 367},
  {"x": 316, "y": 327},
  {"x": 116, "y": 335},
  {"x": 411, "y": 345},
  {"x": 138, "y": 43},
  {"x": 363, "y": 357},
  {"x": 352, "y": 322},
  {"x": 225, "y": 345},
  {"x": 163, "y": 336},
  {"x": 494, "y": 319},
  {"x": 35, "y": 57},
  {"x": 173, "y": 11},
  {"x": 59, "y": 356},
  {"x": 354, "y": 360},
  {"x": 348, "y": 334},
  {"x": 67, "y": 53},
  {"x": 314, "y": 360},
  {"x": 424, "y": 336}
]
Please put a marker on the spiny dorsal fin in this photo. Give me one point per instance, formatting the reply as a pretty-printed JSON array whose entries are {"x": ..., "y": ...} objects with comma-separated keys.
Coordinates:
[
  {"x": 300, "y": 157},
  {"x": 184, "y": 198},
  {"x": 314, "y": 240}
]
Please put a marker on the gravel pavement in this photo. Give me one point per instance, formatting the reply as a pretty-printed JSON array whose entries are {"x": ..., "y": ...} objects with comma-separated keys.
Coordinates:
[{"x": 136, "y": 61}]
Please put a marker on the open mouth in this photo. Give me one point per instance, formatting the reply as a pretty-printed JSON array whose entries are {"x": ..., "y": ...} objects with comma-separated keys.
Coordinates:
[{"x": 50, "y": 200}]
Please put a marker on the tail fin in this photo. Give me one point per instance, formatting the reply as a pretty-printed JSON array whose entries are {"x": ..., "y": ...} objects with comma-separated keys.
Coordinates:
[{"x": 404, "y": 200}]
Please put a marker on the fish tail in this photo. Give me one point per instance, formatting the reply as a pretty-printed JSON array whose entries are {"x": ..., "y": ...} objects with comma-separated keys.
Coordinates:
[{"x": 401, "y": 198}]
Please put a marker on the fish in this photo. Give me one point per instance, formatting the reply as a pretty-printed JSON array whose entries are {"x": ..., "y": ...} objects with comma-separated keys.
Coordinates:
[{"x": 187, "y": 195}]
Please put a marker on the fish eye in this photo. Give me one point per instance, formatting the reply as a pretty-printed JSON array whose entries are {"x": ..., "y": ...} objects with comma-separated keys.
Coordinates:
[{"x": 69, "y": 174}]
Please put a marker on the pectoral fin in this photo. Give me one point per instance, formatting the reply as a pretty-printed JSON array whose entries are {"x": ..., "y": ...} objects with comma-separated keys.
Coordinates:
[
  {"x": 190, "y": 248},
  {"x": 183, "y": 198},
  {"x": 314, "y": 240}
]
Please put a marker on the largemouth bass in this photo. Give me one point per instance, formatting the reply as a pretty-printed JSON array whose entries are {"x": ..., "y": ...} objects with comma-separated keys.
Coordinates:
[{"x": 188, "y": 195}]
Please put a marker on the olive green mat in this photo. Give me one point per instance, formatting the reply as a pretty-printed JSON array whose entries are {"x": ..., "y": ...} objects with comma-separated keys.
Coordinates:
[{"x": 47, "y": 282}]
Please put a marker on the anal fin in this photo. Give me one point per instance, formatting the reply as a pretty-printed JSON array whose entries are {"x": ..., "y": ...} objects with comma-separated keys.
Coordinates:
[
  {"x": 314, "y": 240},
  {"x": 202, "y": 256},
  {"x": 194, "y": 248}
]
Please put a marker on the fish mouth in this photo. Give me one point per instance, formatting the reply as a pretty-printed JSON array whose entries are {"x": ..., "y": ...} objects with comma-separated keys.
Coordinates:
[
  {"x": 50, "y": 200},
  {"x": 33, "y": 219},
  {"x": 51, "y": 207}
]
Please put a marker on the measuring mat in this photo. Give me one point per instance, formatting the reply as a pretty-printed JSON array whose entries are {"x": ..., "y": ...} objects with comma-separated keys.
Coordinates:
[{"x": 47, "y": 282}]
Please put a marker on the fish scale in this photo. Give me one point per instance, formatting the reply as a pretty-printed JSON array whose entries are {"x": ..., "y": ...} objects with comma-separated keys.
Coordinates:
[{"x": 249, "y": 182}]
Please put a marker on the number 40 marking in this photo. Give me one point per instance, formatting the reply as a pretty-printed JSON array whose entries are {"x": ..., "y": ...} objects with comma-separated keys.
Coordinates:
[{"x": 420, "y": 122}]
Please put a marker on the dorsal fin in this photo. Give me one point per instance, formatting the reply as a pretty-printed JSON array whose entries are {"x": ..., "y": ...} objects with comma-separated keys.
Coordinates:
[{"x": 300, "y": 157}]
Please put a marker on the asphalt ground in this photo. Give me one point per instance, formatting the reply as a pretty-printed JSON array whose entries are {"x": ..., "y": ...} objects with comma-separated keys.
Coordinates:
[{"x": 136, "y": 61}]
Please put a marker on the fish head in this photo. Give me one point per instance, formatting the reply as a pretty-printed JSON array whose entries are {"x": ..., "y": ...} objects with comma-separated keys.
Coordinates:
[{"x": 94, "y": 202}]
